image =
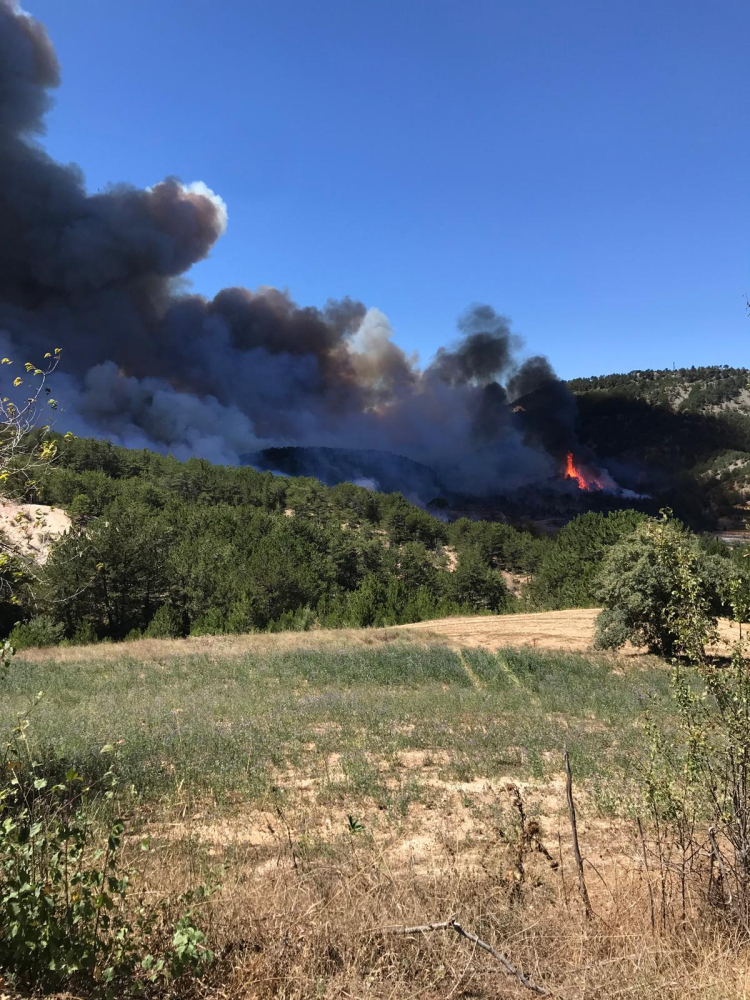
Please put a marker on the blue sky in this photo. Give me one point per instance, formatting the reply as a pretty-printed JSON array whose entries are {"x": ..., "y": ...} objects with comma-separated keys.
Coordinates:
[{"x": 581, "y": 166}]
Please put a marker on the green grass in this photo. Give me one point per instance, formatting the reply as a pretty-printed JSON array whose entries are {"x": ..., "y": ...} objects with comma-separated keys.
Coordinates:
[{"x": 236, "y": 724}]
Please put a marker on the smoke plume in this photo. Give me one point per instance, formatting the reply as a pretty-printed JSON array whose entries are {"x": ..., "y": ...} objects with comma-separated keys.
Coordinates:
[{"x": 150, "y": 366}]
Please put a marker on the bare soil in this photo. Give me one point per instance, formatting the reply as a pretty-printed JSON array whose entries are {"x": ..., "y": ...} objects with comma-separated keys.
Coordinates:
[{"x": 31, "y": 528}]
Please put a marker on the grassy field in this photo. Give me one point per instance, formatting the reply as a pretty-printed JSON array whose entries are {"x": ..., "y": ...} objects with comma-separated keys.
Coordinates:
[
  {"x": 339, "y": 784},
  {"x": 212, "y": 723}
]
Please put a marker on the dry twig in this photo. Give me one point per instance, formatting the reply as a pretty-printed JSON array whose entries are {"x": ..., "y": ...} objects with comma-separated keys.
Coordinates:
[
  {"x": 453, "y": 925},
  {"x": 574, "y": 830}
]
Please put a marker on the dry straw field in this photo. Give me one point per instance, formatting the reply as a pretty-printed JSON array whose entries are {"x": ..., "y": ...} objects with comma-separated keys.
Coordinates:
[{"x": 338, "y": 790}]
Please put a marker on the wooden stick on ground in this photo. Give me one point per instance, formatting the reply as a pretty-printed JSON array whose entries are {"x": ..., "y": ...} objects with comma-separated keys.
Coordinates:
[
  {"x": 454, "y": 925},
  {"x": 725, "y": 886},
  {"x": 574, "y": 830}
]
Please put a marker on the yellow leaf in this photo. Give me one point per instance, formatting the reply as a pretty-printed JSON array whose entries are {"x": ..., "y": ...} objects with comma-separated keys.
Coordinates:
[
  {"x": 28, "y": 366},
  {"x": 38, "y": 371},
  {"x": 17, "y": 381},
  {"x": 58, "y": 350},
  {"x": 6, "y": 361},
  {"x": 48, "y": 355}
]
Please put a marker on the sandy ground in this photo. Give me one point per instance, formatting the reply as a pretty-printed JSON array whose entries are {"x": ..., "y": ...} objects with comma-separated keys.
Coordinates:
[{"x": 31, "y": 528}]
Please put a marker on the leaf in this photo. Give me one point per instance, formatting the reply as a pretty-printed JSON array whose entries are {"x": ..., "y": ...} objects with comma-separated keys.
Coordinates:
[
  {"x": 6, "y": 361},
  {"x": 17, "y": 381},
  {"x": 107, "y": 748}
]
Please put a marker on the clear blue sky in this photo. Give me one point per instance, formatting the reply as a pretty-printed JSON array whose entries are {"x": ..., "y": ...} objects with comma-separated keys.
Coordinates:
[{"x": 582, "y": 166}]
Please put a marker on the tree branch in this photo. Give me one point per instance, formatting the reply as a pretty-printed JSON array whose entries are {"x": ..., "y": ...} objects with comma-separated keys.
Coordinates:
[{"x": 453, "y": 925}]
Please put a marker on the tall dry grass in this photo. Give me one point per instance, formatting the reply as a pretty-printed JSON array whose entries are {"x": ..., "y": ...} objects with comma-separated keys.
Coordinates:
[
  {"x": 296, "y": 923},
  {"x": 222, "y": 646}
]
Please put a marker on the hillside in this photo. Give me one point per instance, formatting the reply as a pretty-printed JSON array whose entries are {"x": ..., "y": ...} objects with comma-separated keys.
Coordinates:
[
  {"x": 707, "y": 389},
  {"x": 685, "y": 432},
  {"x": 164, "y": 548}
]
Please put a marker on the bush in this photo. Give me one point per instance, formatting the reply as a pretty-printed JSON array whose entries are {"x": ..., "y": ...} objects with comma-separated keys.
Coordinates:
[
  {"x": 639, "y": 585},
  {"x": 64, "y": 894},
  {"x": 699, "y": 775},
  {"x": 85, "y": 634},
  {"x": 211, "y": 622},
  {"x": 167, "y": 623},
  {"x": 39, "y": 631}
]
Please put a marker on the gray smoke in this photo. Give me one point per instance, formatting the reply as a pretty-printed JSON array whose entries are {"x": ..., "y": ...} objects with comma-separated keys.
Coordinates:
[{"x": 150, "y": 366}]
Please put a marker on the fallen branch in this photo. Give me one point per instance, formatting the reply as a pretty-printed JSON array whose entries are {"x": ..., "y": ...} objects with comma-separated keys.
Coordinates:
[{"x": 454, "y": 925}]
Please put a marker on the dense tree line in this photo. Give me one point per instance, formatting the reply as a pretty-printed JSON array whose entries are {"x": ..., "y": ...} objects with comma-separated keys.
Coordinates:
[{"x": 168, "y": 548}]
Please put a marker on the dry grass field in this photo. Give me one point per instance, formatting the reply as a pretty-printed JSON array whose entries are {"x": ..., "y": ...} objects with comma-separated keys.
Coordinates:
[
  {"x": 564, "y": 630},
  {"x": 571, "y": 630},
  {"x": 334, "y": 786}
]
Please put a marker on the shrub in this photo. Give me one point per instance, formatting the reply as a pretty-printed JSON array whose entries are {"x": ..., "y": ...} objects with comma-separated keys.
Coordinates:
[
  {"x": 699, "y": 776},
  {"x": 85, "y": 634},
  {"x": 211, "y": 622},
  {"x": 39, "y": 631},
  {"x": 167, "y": 623},
  {"x": 639, "y": 584},
  {"x": 64, "y": 893}
]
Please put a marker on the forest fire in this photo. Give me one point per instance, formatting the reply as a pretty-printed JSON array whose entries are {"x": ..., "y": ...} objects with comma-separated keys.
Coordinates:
[{"x": 585, "y": 480}]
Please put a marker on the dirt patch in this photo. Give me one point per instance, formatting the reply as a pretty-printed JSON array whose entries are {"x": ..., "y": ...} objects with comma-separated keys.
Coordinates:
[
  {"x": 515, "y": 582},
  {"x": 32, "y": 528}
]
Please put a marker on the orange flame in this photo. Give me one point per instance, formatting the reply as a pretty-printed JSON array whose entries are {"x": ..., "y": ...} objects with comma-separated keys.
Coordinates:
[{"x": 585, "y": 481}]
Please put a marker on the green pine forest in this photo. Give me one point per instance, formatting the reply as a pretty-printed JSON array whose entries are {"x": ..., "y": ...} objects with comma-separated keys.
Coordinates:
[{"x": 166, "y": 548}]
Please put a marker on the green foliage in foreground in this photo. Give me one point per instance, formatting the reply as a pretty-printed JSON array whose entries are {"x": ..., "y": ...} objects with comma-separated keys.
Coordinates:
[
  {"x": 66, "y": 914},
  {"x": 638, "y": 585},
  {"x": 698, "y": 779}
]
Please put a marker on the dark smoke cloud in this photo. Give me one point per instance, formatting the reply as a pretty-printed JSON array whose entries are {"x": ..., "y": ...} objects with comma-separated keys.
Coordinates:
[
  {"x": 149, "y": 365},
  {"x": 547, "y": 408}
]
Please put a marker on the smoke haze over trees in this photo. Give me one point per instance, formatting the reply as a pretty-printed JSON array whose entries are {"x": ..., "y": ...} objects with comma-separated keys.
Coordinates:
[{"x": 149, "y": 364}]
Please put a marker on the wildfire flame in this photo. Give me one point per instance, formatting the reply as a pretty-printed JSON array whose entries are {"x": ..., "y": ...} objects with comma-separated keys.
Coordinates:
[{"x": 584, "y": 479}]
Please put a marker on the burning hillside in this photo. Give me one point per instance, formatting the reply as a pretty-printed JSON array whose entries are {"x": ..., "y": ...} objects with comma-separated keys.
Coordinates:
[{"x": 581, "y": 476}]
